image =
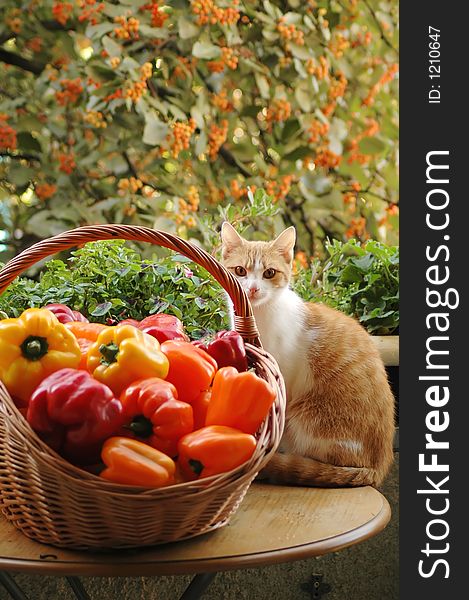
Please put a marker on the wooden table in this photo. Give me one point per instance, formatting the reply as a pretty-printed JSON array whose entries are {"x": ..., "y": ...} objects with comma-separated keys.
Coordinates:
[{"x": 274, "y": 524}]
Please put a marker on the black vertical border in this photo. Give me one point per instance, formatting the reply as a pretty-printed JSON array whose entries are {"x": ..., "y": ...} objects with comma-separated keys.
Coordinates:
[{"x": 426, "y": 127}]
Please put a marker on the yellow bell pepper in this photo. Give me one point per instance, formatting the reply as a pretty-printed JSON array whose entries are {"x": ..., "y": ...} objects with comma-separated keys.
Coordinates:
[
  {"x": 32, "y": 347},
  {"x": 123, "y": 354}
]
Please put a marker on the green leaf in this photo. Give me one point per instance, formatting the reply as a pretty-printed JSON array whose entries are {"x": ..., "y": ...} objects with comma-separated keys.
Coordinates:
[
  {"x": 263, "y": 84},
  {"x": 20, "y": 175},
  {"x": 351, "y": 275},
  {"x": 200, "y": 109},
  {"x": 298, "y": 153},
  {"x": 201, "y": 144},
  {"x": 97, "y": 31},
  {"x": 155, "y": 131},
  {"x": 158, "y": 33},
  {"x": 316, "y": 182},
  {"x": 292, "y": 18},
  {"x": 187, "y": 28},
  {"x": 333, "y": 200},
  {"x": 44, "y": 224},
  {"x": 251, "y": 64},
  {"x": 134, "y": 3},
  {"x": 200, "y": 302},
  {"x": 111, "y": 47},
  {"x": 270, "y": 36},
  {"x": 271, "y": 10},
  {"x": 364, "y": 262},
  {"x": 338, "y": 129},
  {"x": 205, "y": 50},
  {"x": 102, "y": 309},
  {"x": 100, "y": 72},
  {"x": 117, "y": 164},
  {"x": 232, "y": 35},
  {"x": 301, "y": 52},
  {"x": 27, "y": 142},
  {"x": 290, "y": 129},
  {"x": 390, "y": 174},
  {"x": 355, "y": 171},
  {"x": 251, "y": 111},
  {"x": 130, "y": 64},
  {"x": 304, "y": 97},
  {"x": 371, "y": 145}
]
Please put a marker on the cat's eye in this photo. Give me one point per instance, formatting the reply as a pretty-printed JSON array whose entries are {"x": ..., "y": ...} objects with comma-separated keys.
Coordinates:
[
  {"x": 269, "y": 273},
  {"x": 240, "y": 271}
]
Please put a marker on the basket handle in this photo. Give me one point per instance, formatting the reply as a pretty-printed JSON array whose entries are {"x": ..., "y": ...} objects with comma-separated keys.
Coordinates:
[{"x": 245, "y": 323}]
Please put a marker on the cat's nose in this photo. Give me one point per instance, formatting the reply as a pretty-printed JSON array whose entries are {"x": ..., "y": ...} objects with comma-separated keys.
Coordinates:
[{"x": 252, "y": 291}]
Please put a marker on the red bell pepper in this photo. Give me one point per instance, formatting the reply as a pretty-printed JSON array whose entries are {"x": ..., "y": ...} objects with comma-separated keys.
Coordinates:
[
  {"x": 133, "y": 322},
  {"x": 73, "y": 413},
  {"x": 154, "y": 415},
  {"x": 163, "y": 327},
  {"x": 65, "y": 314},
  {"x": 191, "y": 369},
  {"x": 227, "y": 348}
]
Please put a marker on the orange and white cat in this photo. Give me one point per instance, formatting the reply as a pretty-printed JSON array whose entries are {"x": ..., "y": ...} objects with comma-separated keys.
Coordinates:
[{"x": 340, "y": 409}]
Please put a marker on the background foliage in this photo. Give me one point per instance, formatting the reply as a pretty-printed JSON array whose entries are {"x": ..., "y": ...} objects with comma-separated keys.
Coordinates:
[
  {"x": 110, "y": 281},
  {"x": 361, "y": 280},
  {"x": 163, "y": 112}
]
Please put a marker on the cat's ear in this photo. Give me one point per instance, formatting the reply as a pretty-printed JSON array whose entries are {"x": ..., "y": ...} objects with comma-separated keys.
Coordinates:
[
  {"x": 230, "y": 238},
  {"x": 285, "y": 243}
]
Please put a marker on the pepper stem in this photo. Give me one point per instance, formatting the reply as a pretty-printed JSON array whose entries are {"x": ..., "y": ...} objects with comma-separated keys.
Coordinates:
[
  {"x": 141, "y": 426},
  {"x": 196, "y": 465},
  {"x": 34, "y": 347},
  {"x": 109, "y": 353}
]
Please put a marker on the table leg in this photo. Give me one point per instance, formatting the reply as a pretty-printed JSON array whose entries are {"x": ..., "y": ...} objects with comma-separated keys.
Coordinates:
[
  {"x": 12, "y": 587},
  {"x": 77, "y": 587},
  {"x": 197, "y": 586}
]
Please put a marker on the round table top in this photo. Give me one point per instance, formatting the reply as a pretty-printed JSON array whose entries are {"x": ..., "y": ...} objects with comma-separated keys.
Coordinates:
[{"x": 274, "y": 524}]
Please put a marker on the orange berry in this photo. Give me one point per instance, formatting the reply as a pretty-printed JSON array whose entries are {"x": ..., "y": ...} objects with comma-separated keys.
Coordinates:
[
  {"x": 67, "y": 163},
  {"x": 62, "y": 11},
  {"x": 217, "y": 137},
  {"x": 7, "y": 135},
  {"x": 45, "y": 190},
  {"x": 326, "y": 158},
  {"x": 71, "y": 91}
]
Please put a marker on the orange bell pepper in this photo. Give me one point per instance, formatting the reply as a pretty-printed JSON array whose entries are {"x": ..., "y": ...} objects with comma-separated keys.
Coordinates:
[
  {"x": 154, "y": 415},
  {"x": 213, "y": 450},
  {"x": 239, "y": 400},
  {"x": 191, "y": 370},
  {"x": 86, "y": 333},
  {"x": 199, "y": 408},
  {"x": 84, "y": 346},
  {"x": 131, "y": 462}
]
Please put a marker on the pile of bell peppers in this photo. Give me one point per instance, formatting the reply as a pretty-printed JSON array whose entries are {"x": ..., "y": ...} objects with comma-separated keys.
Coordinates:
[{"x": 137, "y": 403}]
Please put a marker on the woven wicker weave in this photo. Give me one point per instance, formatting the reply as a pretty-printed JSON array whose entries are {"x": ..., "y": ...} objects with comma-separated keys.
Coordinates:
[{"x": 52, "y": 501}]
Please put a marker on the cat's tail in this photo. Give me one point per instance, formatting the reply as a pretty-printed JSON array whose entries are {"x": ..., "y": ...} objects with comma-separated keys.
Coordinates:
[{"x": 293, "y": 469}]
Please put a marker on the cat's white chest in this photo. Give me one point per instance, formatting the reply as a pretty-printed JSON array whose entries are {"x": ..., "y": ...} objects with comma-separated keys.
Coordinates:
[{"x": 283, "y": 334}]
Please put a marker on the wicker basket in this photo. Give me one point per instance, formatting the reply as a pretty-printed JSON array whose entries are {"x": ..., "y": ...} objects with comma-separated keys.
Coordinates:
[{"x": 52, "y": 501}]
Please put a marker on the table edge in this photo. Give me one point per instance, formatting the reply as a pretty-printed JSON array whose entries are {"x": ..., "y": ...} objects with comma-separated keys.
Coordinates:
[{"x": 226, "y": 563}]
